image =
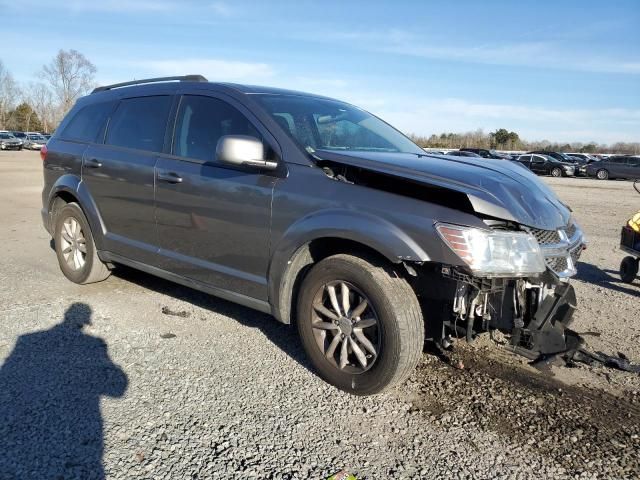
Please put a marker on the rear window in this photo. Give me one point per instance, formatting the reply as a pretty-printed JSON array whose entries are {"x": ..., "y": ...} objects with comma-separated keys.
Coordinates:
[
  {"x": 88, "y": 123},
  {"x": 140, "y": 123}
]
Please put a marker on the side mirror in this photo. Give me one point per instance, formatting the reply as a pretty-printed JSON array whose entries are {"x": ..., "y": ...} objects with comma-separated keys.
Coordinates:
[{"x": 243, "y": 150}]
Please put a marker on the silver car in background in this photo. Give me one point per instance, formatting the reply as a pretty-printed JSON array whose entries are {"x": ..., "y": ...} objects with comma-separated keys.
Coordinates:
[
  {"x": 34, "y": 142},
  {"x": 9, "y": 142}
]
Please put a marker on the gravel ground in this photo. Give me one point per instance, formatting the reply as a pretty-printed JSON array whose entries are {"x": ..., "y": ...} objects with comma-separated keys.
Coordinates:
[{"x": 97, "y": 381}]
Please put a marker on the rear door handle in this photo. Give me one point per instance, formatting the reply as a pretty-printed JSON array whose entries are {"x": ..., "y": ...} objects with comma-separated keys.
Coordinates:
[
  {"x": 170, "y": 177},
  {"x": 92, "y": 163}
]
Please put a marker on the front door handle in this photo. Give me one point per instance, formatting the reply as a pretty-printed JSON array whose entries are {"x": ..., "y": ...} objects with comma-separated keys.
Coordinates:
[
  {"x": 92, "y": 163},
  {"x": 170, "y": 177}
]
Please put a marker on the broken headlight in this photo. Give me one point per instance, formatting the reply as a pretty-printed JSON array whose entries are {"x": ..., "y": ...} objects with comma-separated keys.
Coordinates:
[{"x": 494, "y": 253}]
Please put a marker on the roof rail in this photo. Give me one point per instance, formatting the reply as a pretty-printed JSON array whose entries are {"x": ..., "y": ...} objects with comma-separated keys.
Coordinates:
[{"x": 184, "y": 78}]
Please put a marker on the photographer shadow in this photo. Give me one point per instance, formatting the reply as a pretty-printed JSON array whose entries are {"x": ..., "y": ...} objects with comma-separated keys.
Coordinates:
[{"x": 50, "y": 389}]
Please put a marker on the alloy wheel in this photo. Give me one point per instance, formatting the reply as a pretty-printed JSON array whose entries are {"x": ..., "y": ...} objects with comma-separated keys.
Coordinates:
[
  {"x": 73, "y": 244},
  {"x": 345, "y": 327}
]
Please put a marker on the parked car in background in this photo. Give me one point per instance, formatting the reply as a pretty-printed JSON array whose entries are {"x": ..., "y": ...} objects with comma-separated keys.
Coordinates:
[
  {"x": 586, "y": 159},
  {"x": 462, "y": 153},
  {"x": 485, "y": 153},
  {"x": 585, "y": 156},
  {"x": 561, "y": 157},
  {"x": 565, "y": 158},
  {"x": 617, "y": 166},
  {"x": 9, "y": 142},
  {"x": 547, "y": 165},
  {"x": 34, "y": 141}
]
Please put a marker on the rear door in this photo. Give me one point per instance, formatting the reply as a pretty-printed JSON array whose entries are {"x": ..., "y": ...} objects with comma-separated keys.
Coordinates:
[
  {"x": 539, "y": 164},
  {"x": 525, "y": 160},
  {"x": 214, "y": 220},
  {"x": 617, "y": 167},
  {"x": 120, "y": 175},
  {"x": 632, "y": 168}
]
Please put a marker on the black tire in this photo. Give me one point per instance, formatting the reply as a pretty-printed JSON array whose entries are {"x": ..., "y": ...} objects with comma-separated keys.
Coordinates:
[
  {"x": 92, "y": 268},
  {"x": 556, "y": 172},
  {"x": 602, "y": 174},
  {"x": 399, "y": 329},
  {"x": 628, "y": 269}
]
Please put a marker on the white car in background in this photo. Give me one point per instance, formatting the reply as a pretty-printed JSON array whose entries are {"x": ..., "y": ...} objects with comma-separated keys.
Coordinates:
[{"x": 34, "y": 141}]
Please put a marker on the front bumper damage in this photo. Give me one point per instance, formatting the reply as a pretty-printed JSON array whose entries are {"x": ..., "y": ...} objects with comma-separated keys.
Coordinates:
[{"x": 534, "y": 312}]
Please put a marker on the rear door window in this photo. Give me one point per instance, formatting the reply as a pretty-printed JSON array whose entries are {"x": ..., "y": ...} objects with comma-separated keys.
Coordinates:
[
  {"x": 140, "y": 123},
  {"x": 87, "y": 125}
]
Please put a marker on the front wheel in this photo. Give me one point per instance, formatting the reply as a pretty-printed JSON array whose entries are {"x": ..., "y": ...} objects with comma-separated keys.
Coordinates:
[
  {"x": 628, "y": 269},
  {"x": 75, "y": 248},
  {"x": 556, "y": 172},
  {"x": 602, "y": 174},
  {"x": 360, "y": 324}
]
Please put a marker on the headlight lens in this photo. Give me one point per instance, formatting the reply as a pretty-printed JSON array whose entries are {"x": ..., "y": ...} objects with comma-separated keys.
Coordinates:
[{"x": 494, "y": 253}]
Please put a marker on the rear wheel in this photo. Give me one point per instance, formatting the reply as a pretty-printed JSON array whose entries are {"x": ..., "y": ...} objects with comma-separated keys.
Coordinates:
[
  {"x": 602, "y": 174},
  {"x": 75, "y": 249},
  {"x": 556, "y": 172},
  {"x": 360, "y": 324},
  {"x": 629, "y": 269}
]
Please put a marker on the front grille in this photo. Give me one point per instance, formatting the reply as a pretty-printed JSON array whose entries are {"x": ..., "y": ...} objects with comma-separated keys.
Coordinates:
[
  {"x": 575, "y": 253},
  {"x": 561, "y": 248},
  {"x": 545, "y": 237},
  {"x": 557, "y": 264}
]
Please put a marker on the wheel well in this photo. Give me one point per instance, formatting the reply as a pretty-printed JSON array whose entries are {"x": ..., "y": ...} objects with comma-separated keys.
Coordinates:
[
  {"x": 308, "y": 255},
  {"x": 60, "y": 200}
]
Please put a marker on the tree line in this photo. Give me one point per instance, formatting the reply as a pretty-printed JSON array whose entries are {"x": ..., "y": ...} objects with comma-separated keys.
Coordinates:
[
  {"x": 502, "y": 139},
  {"x": 40, "y": 105}
]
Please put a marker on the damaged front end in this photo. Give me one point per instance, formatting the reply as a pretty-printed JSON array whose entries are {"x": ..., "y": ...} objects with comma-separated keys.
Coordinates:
[{"x": 534, "y": 308}]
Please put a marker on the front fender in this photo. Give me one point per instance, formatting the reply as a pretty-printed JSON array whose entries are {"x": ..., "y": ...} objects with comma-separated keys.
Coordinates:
[
  {"x": 73, "y": 186},
  {"x": 290, "y": 253}
]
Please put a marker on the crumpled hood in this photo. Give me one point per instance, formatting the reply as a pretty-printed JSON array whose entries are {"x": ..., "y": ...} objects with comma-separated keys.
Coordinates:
[{"x": 497, "y": 188}]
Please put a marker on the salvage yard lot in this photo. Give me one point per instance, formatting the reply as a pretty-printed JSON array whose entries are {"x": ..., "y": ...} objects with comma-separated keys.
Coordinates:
[{"x": 209, "y": 389}]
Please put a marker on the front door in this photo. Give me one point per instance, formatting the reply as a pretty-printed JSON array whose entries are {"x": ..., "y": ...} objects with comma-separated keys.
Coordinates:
[{"x": 213, "y": 220}]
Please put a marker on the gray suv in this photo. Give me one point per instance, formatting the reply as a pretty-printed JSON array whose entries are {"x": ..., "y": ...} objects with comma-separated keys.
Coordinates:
[{"x": 316, "y": 212}]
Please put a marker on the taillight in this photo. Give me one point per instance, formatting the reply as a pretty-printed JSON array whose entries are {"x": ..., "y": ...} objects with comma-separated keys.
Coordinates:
[{"x": 43, "y": 152}]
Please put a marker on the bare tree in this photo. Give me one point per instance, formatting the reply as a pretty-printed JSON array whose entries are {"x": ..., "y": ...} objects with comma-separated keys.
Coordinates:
[
  {"x": 69, "y": 75},
  {"x": 40, "y": 98},
  {"x": 9, "y": 93}
]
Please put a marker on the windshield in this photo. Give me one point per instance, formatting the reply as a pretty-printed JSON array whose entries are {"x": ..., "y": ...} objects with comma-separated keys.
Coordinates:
[
  {"x": 316, "y": 123},
  {"x": 6, "y": 136}
]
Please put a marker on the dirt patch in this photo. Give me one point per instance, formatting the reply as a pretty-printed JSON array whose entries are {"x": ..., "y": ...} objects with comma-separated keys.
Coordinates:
[{"x": 582, "y": 429}]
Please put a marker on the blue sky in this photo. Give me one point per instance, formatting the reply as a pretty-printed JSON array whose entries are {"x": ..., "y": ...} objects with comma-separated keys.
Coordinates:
[{"x": 556, "y": 70}]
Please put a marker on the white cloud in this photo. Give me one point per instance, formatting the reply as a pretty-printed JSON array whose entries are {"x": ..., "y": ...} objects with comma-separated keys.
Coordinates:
[
  {"x": 539, "y": 54},
  {"x": 213, "y": 69},
  {"x": 427, "y": 116}
]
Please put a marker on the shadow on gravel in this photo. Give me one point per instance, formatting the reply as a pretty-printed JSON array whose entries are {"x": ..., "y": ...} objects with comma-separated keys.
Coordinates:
[
  {"x": 283, "y": 336},
  {"x": 50, "y": 389},
  {"x": 604, "y": 278}
]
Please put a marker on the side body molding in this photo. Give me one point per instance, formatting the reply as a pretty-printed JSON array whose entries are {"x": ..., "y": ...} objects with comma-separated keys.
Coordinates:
[{"x": 291, "y": 253}]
